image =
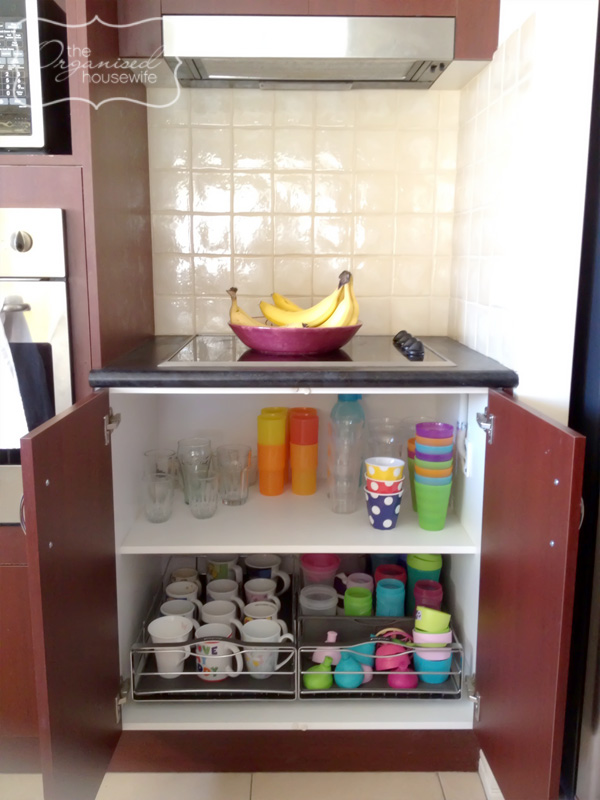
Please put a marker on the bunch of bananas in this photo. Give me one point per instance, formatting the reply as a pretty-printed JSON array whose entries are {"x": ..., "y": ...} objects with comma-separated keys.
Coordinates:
[{"x": 338, "y": 309}]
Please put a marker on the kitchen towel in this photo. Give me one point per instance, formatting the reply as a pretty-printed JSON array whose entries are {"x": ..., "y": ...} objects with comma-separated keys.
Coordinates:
[{"x": 13, "y": 424}]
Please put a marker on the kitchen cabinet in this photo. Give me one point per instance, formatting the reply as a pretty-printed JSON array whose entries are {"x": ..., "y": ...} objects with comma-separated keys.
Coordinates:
[
  {"x": 509, "y": 550},
  {"x": 18, "y": 711},
  {"x": 477, "y": 23}
]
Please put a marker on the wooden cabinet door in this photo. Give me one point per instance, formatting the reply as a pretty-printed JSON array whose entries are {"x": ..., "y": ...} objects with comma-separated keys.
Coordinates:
[
  {"x": 533, "y": 478},
  {"x": 67, "y": 481},
  {"x": 18, "y": 710}
]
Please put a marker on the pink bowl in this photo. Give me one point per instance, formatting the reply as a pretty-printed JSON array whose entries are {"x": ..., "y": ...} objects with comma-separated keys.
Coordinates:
[
  {"x": 383, "y": 487},
  {"x": 403, "y": 680},
  {"x": 294, "y": 341},
  {"x": 431, "y": 639}
]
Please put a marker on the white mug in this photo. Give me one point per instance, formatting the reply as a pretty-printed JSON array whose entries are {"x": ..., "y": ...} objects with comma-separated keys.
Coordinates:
[
  {"x": 183, "y": 608},
  {"x": 224, "y": 611},
  {"x": 262, "y": 663},
  {"x": 182, "y": 590},
  {"x": 264, "y": 609},
  {"x": 259, "y": 589},
  {"x": 171, "y": 630},
  {"x": 213, "y": 658},
  {"x": 223, "y": 566},
  {"x": 222, "y": 589},
  {"x": 185, "y": 574},
  {"x": 267, "y": 566}
]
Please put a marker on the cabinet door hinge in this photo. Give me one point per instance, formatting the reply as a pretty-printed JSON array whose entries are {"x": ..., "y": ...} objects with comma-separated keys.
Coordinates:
[
  {"x": 474, "y": 695},
  {"x": 121, "y": 698},
  {"x": 486, "y": 423},
  {"x": 111, "y": 423}
]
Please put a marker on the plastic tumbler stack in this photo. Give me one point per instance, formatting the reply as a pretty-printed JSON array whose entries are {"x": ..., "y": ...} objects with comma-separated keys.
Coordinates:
[
  {"x": 432, "y": 466},
  {"x": 272, "y": 450},
  {"x": 304, "y": 447}
]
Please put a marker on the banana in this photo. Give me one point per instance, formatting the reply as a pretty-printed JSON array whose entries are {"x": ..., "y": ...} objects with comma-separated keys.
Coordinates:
[
  {"x": 354, "y": 318},
  {"x": 343, "y": 312},
  {"x": 284, "y": 303},
  {"x": 309, "y": 317},
  {"x": 236, "y": 315}
]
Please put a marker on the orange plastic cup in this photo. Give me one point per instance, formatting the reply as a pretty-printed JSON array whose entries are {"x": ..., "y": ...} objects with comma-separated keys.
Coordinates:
[
  {"x": 304, "y": 457},
  {"x": 271, "y": 457},
  {"x": 271, "y": 482},
  {"x": 433, "y": 473},
  {"x": 304, "y": 482}
]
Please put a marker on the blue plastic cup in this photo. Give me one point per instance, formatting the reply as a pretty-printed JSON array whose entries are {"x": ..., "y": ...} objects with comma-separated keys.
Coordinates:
[
  {"x": 432, "y": 671},
  {"x": 389, "y": 598}
]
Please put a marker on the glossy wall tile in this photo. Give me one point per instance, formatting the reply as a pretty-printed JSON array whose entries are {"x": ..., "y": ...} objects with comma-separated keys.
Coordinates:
[{"x": 280, "y": 191}]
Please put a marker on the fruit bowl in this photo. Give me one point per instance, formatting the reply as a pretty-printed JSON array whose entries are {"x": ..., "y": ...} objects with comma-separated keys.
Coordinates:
[{"x": 294, "y": 341}]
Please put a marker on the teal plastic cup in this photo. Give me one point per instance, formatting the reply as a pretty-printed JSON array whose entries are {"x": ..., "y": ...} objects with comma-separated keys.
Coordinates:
[
  {"x": 420, "y": 566},
  {"x": 432, "y": 505},
  {"x": 358, "y": 602}
]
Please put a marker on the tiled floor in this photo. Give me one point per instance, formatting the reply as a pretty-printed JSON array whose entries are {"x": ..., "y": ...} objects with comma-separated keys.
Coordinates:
[{"x": 268, "y": 786}]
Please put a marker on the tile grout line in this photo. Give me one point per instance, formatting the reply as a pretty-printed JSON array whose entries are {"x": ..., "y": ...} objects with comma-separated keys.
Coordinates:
[
  {"x": 251, "y": 785},
  {"x": 441, "y": 785}
]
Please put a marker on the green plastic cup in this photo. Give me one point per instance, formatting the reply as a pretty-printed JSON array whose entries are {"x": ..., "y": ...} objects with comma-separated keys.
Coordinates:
[
  {"x": 432, "y": 505},
  {"x": 411, "y": 478},
  {"x": 433, "y": 464},
  {"x": 358, "y": 602}
]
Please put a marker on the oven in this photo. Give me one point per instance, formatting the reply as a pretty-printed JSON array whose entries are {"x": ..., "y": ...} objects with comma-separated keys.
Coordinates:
[{"x": 35, "y": 359}]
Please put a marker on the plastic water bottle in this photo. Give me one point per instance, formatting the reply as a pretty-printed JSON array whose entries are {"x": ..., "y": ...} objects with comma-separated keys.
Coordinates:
[{"x": 345, "y": 447}]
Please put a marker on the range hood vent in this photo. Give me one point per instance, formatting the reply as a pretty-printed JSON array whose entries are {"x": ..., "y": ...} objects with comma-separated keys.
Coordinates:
[{"x": 308, "y": 52}]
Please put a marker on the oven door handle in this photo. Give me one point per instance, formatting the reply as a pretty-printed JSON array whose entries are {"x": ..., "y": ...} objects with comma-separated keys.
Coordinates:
[
  {"x": 22, "y": 515},
  {"x": 15, "y": 307}
]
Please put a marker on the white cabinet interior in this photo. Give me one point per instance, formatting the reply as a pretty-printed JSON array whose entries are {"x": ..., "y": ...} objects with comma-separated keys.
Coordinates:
[{"x": 290, "y": 524}]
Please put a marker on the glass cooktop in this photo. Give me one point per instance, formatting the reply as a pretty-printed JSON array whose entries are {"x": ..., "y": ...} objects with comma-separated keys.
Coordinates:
[{"x": 215, "y": 350}]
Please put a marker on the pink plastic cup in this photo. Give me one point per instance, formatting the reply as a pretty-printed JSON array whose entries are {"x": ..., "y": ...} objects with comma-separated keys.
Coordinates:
[
  {"x": 429, "y": 593},
  {"x": 320, "y": 567}
]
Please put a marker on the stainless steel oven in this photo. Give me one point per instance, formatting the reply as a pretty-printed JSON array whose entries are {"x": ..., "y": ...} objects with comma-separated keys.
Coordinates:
[{"x": 34, "y": 316}]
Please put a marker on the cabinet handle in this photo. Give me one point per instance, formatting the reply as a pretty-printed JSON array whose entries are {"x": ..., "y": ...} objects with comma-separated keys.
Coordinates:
[{"x": 22, "y": 515}]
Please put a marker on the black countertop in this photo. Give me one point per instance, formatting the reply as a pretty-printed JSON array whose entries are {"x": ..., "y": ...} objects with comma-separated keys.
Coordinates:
[{"x": 365, "y": 361}]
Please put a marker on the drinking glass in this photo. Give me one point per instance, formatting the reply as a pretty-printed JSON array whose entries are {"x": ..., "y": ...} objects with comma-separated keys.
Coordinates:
[
  {"x": 233, "y": 461},
  {"x": 194, "y": 455},
  {"x": 203, "y": 495},
  {"x": 158, "y": 496}
]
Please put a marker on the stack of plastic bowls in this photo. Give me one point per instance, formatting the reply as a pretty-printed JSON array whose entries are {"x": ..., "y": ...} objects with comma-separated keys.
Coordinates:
[
  {"x": 384, "y": 478},
  {"x": 433, "y": 464},
  {"x": 432, "y": 635}
]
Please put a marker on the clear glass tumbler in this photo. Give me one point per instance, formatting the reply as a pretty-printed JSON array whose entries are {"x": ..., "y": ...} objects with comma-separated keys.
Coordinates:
[
  {"x": 158, "y": 496},
  {"x": 203, "y": 495},
  {"x": 232, "y": 462}
]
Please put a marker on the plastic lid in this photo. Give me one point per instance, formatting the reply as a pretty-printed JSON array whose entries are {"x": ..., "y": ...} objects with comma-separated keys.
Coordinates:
[{"x": 347, "y": 397}]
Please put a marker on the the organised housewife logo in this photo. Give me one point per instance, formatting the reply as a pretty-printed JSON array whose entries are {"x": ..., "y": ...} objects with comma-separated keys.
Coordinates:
[{"x": 81, "y": 66}]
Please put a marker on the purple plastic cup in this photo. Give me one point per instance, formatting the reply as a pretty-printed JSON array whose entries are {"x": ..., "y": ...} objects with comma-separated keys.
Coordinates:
[
  {"x": 434, "y": 430},
  {"x": 431, "y": 457}
]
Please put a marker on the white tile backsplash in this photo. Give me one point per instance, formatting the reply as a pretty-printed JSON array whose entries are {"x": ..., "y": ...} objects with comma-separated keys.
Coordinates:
[{"x": 285, "y": 189}]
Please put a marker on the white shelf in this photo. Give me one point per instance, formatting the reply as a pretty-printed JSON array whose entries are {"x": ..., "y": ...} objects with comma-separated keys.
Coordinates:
[
  {"x": 289, "y": 523},
  {"x": 359, "y": 714}
]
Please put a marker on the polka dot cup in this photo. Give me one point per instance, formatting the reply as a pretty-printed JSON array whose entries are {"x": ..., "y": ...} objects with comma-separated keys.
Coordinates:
[
  {"x": 383, "y": 487},
  {"x": 383, "y": 510},
  {"x": 384, "y": 468}
]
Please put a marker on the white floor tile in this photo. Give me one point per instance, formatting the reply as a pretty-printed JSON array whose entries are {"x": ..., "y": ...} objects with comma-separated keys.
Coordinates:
[
  {"x": 462, "y": 786},
  {"x": 165, "y": 785},
  {"x": 21, "y": 787},
  {"x": 347, "y": 786}
]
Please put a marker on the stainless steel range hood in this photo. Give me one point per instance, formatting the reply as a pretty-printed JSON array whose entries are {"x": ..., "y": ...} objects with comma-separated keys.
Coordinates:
[{"x": 308, "y": 52}]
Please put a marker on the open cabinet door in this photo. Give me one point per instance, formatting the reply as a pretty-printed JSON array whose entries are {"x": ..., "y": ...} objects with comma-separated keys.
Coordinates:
[
  {"x": 67, "y": 479},
  {"x": 533, "y": 477}
]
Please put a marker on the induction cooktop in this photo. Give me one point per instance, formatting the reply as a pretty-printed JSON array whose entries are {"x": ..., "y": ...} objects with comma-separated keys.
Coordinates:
[{"x": 216, "y": 350}]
